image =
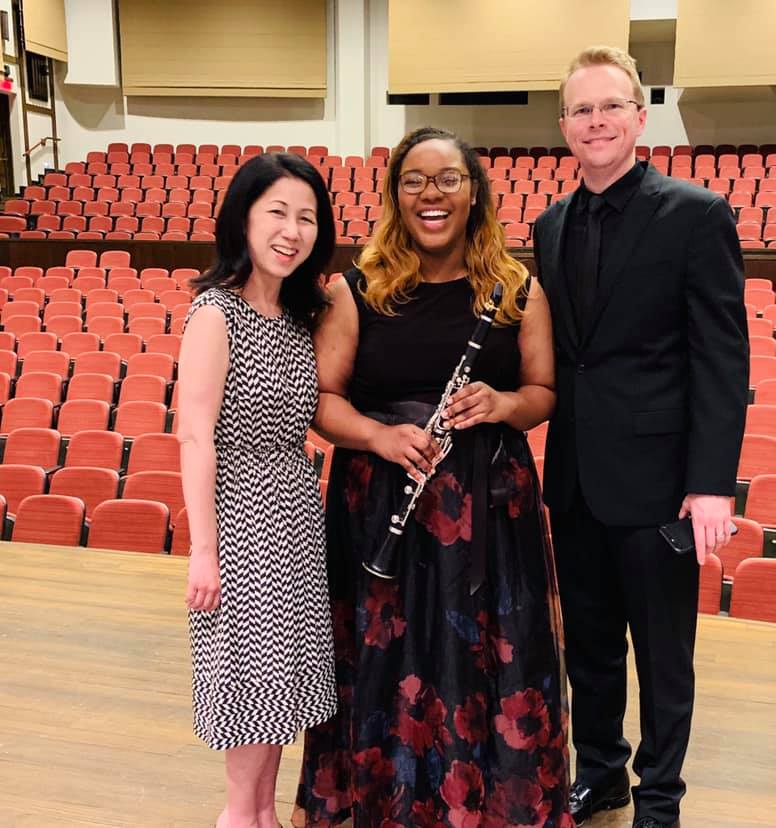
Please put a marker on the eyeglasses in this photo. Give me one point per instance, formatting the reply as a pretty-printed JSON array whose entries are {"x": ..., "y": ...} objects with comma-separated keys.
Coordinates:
[
  {"x": 447, "y": 181},
  {"x": 613, "y": 108}
]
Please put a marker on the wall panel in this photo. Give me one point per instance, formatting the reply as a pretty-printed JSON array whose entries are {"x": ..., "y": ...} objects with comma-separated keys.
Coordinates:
[
  {"x": 495, "y": 45},
  {"x": 244, "y": 48}
]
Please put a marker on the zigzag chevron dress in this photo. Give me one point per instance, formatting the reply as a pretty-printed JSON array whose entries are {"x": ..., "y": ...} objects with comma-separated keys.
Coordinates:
[{"x": 263, "y": 662}]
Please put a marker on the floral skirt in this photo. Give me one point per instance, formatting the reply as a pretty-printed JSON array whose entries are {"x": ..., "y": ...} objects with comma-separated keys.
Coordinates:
[{"x": 451, "y": 688}]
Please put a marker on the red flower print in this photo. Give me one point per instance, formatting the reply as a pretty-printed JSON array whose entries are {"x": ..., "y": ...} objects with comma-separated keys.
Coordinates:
[
  {"x": 463, "y": 791},
  {"x": 374, "y": 776},
  {"x": 331, "y": 782},
  {"x": 493, "y": 648},
  {"x": 421, "y": 717},
  {"x": 554, "y": 763},
  {"x": 566, "y": 821},
  {"x": 357, "y": 480},
  {"x": 383, "y": 613},
  {"x": 471, "y": 722},
  {"x": 525, "y": 721},
  {"x": 518, "y": 803},
  {"x": 410, "y": 687},
  {"x": 425, "y": 815},
  {"x": 445, "y": 511},
  {"x": 521, "y": 490}
]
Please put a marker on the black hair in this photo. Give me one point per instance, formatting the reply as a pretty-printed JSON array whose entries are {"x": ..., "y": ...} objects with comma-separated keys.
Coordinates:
[
  {"x": 470, "y": 158},
  {"x": 301, "y": 294}
]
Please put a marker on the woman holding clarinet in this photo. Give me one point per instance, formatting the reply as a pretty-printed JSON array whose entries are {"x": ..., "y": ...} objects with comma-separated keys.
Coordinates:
[{"x": 434, "y": 357}]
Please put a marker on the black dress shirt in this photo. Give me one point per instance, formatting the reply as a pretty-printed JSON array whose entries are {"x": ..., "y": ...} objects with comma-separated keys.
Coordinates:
[{"x": 616, "y": 197}]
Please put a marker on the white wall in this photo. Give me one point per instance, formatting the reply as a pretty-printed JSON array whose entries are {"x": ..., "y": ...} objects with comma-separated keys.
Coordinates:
[
  {"x": 92, "y": 43},
  {"x": 17, "y": 139}
]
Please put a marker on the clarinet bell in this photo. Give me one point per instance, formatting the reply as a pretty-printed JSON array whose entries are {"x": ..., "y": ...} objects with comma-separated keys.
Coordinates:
[{"x": 384, "y": 563}]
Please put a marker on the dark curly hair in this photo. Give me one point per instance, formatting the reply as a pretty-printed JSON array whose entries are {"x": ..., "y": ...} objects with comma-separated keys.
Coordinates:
[{"x": 301, "y": 293}]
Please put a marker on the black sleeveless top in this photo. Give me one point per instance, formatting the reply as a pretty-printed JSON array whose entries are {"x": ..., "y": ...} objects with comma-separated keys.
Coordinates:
[{"x": 412, "y": 355}]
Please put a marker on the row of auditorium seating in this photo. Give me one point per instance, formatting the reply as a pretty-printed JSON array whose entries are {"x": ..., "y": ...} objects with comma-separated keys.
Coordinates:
[
  {"x": 173, "y": 193},
  {"x": 751, "y": 595},
  {"x": 128, "y": 524}
]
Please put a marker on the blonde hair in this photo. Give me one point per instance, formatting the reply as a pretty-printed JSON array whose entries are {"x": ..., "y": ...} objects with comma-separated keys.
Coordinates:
[
  {"x": 604, "y": 56},
  {"x": 391, "y": 266}
]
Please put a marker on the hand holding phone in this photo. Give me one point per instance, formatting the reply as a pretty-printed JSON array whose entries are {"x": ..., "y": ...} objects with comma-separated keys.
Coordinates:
[{"x": 679, "y": 535}]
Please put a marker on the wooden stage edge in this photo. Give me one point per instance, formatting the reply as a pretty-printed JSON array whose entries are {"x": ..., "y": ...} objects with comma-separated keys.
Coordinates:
[{"x": 95, "y": 717}]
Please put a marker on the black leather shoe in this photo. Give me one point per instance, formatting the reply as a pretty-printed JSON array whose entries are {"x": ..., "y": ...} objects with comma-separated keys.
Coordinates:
[
  {"x": 651, "y": 822},
  {"x": 584, "y": 801}
]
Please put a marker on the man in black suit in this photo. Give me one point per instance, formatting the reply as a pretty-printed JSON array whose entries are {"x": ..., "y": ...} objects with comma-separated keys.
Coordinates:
[{"x": 645, "y": 281}]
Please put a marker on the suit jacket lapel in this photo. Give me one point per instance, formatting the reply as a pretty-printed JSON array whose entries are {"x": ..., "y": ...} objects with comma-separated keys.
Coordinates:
[
  {"x": 557, "y": 291},
  {"x": 640, "y": 211}
]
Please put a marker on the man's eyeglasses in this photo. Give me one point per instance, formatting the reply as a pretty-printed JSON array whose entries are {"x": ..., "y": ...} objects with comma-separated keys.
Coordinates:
[
  {"x": 613, "y": 108},
  {"x": 447, "y": 181}
]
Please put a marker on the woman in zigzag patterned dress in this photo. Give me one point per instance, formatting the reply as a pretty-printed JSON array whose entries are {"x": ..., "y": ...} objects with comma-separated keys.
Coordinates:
[{"x": 259, "y": 616}]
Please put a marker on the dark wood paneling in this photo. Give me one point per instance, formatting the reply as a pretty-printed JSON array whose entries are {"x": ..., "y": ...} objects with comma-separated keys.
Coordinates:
[{"x": 51, "y": 252}]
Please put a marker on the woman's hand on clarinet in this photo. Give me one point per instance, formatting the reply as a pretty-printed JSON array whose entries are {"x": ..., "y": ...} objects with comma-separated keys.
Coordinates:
[
  {"x": 407, "y": 445},
  {"x": 203, "y": 590},
  {"x": 475, "y": 403}
]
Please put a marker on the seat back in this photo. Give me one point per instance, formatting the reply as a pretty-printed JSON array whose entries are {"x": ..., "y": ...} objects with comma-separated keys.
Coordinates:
[
  {"x": 164, "y": 486},
  {"x": 140, "y": 417},
  {"x": 154, "y": 452},
  {"x": 91, "y": 484},
  {"x": 50, "y": 519},
  {"x": 129, "y": 525},
  {"x": 26, "y": 413},
  {"x": 754, "y": 590},
  {"x": 710, "y": 589},
  {"x": 19, "y": 481},
  {"x": 33, "y": 447},
  {"x": 103, "y": 449}
]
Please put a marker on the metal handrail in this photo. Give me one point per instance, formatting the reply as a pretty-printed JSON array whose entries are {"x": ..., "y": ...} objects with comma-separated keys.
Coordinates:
[{"x": 41, "y": 143}]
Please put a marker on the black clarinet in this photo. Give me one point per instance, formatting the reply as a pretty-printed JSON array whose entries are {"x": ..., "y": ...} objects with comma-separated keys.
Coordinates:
[{"x": 384, "y": 563}]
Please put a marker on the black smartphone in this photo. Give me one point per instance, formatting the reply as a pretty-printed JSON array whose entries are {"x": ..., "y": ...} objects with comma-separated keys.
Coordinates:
[{"x": 678, "y": 535}]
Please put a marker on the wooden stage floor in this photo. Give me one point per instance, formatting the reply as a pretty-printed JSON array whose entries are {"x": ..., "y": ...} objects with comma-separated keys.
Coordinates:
[{"x": 95, "y": 712}]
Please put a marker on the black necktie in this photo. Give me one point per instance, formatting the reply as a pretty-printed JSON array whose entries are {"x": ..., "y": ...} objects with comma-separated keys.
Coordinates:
[{"x": 588, "y": 272}]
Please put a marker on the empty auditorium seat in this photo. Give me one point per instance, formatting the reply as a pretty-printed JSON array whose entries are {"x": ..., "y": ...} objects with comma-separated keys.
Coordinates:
[
  {"x": 154, "y": 452},
  {"x": 129, "y": 525},
  {"x": 754, "y": 590},
  {"x": 18, "y": 481},
  {"x": 26, "y": 413},
  {"x": 710, "y": 587},
  {"x": 746, "y": 543},
  {"x": 125, "y": 345},
  {"x": 162, "y": 365},
  {"x": 54, "y": 362},
  {"x": 95, "y": 448},
  {"x": 81, "y": 415},
  {"x": 33, "y": 447},
  {"x": 163, "y": 486},
  {"x": 140, "y": 417},
  {"x": 38, "y": 341},
  {"x": 80, "y": 342},
  {"x": 98, "y": 362},
  {"x": 91, "y": 484},
  {"x": 92, "y": 386},
  {"x": 181, "y": 536},
  {"x": 44, "y": 384},
  {"x": 50, "y": 519},
  {"x": 143, "y": 387}
]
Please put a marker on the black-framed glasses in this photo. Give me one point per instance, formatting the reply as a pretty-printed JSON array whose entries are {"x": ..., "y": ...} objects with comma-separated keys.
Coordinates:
[
  {"x": 447, "y": 181},
  {"x": 611, "y": 108}
]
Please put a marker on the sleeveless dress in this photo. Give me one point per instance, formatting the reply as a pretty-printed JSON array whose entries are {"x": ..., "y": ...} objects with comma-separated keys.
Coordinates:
[
  {"x": 452, "y": 707},
  {"x": 263, "y": 665}
]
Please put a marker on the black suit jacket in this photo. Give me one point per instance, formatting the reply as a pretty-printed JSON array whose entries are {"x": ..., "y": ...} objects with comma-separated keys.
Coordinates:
[{"x": 652, "y": 401}]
